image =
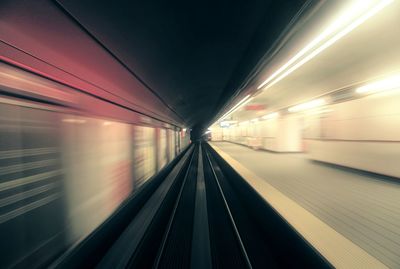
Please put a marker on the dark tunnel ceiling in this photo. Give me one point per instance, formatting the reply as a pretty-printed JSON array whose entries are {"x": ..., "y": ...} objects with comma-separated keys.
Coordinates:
[{"x": 193, "y": 54}]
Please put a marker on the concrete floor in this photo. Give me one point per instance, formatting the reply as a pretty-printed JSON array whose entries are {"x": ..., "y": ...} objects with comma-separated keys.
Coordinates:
[{"x": 363, "y": 207}]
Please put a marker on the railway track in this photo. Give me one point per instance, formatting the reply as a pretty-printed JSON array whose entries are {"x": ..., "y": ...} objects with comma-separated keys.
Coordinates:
[{"x": 203, "y": 215}]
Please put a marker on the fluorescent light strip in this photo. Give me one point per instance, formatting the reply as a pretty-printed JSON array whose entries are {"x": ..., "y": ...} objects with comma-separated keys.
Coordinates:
[
  {"x": 271, "y": 116},
  {"x": 390, "y": 83},
  {"x": 324, "y": 46},
  {"x": 307, "y": 105},
  {"x": 79, "y": 121},
  {"x": 331, "y": 29},
  {"x": 237, "y": 106}
]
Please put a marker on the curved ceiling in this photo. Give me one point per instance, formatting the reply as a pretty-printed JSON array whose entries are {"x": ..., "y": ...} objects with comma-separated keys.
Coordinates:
[
  {"x": 193, "y": 55},
  {"x": 368, "y": 52}
]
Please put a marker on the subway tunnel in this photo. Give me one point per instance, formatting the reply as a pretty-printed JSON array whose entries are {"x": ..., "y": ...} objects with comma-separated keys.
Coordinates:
[{"x": 211, "y": 134}]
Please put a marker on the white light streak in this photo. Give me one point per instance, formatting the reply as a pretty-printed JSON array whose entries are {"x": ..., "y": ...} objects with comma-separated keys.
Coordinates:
[
  {"x": 390, "y": 83},
  {"x": 79, "y": 121},
  {"x": 346, "y": 21},
  {"x": 307, "y": 105},
  {"x": 271, "y": 116},
  {"x": 244, "y": 101}
]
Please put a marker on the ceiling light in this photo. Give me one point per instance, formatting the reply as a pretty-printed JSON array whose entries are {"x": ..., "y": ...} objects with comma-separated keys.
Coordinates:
[
  {"x": 307, "y": 105},
  {"x": 390, "y": 83},
  {"x": 242, "y": 102},
  {"x": 354, "y": 16},
  {"x": 79, "y": 121},
  {"x": 271, "y": 116}
]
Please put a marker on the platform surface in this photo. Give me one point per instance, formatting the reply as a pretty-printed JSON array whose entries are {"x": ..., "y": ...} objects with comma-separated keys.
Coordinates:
[{"x": 361, "y": 207}]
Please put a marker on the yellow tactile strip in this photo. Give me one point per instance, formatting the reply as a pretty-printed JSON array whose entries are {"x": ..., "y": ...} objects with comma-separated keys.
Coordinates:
[{"x": 337, "y": 249}]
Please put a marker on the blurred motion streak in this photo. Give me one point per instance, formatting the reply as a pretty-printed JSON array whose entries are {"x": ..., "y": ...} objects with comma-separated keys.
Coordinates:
[
  {"x": 65, "y": 170},
  {"x": 70, "y": 157},
  {"x": 390, "y": 83},
  {"x": 308, "y": 105},
  {"x": 358, "y": 12}
]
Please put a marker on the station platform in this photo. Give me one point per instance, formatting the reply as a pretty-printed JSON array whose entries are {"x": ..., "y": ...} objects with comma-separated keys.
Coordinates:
[{"x": 352, "y": 218}]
